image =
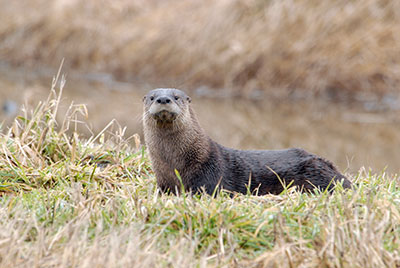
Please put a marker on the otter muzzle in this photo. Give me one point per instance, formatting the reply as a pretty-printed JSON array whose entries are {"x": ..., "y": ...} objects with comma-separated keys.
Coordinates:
[{"x": 165, "y": 116}]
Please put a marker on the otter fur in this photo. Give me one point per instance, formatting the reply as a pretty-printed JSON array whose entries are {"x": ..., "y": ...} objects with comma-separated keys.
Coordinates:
[{"x": 176, "y": 141}]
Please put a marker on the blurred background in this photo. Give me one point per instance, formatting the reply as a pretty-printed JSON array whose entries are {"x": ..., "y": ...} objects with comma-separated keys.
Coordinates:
[{"x": 264, "y": 74}]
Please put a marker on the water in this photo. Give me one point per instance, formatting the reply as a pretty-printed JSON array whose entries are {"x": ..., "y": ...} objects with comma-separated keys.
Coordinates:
[{"x": 349, "y": 135}]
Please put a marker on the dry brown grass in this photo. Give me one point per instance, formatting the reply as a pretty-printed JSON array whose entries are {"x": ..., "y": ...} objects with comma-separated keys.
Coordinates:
[{"x": 320, "y": 47}]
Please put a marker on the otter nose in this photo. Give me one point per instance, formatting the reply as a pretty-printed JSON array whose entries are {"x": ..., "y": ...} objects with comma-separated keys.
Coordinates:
[{"x": 163, "y": 100}]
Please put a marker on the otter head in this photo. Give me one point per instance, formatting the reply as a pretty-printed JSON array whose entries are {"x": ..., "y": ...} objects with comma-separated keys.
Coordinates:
[{"x": 163, "y": 106}]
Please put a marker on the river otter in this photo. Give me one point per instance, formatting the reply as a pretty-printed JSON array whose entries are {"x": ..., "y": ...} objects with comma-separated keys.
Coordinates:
[{"x": 176, "y": 141}]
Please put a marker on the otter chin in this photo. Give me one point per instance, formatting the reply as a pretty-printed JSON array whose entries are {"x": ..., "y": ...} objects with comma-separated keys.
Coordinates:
[{"x": 176, "y": 141}]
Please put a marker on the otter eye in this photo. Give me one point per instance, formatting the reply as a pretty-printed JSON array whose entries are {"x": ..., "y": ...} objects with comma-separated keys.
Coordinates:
[
  {"x": 176, "y": 98},
  {"x": 152, "y": 98}
]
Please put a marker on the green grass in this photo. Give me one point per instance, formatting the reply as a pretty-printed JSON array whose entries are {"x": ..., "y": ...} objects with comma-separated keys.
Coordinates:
[{"x": 66, "y": 201}]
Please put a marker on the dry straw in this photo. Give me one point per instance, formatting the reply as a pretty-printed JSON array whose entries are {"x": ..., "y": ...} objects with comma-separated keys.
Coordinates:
[{"x": 333, "y": 48}]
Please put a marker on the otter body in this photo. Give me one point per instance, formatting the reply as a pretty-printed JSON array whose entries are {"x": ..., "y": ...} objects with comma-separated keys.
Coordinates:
[{"x": 176, "y": 141}]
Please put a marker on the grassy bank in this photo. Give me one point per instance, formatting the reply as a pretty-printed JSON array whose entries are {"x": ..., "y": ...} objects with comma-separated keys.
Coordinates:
[
  {"x": 333, "y": 48},
  {"x": 67, "y": 202}
]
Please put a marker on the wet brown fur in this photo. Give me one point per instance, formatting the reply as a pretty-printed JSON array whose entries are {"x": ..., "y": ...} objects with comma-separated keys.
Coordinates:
[{"x": 181, "y": 144}]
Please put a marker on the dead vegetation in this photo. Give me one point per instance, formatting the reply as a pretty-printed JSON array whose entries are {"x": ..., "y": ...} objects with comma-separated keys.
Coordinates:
[{"x": 333, "y": 48}]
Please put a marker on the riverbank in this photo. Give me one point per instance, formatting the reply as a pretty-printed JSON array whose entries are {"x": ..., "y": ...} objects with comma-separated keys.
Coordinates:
[
  {"x": 334, "y": 49},
  {"x": 70, "y": 201}
]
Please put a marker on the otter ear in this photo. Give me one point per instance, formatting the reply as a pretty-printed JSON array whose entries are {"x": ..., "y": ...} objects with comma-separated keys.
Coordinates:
[{"x": 189, "y": 99}]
